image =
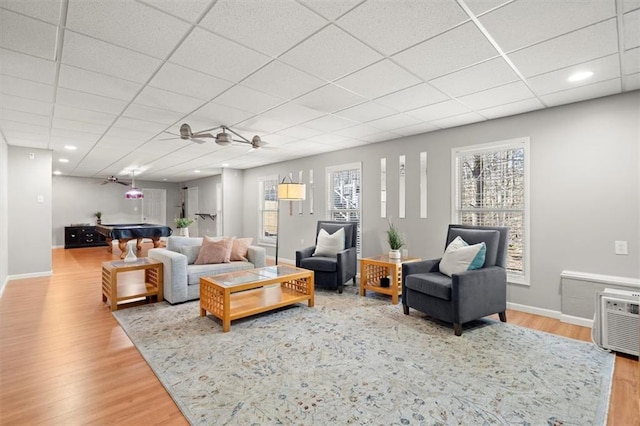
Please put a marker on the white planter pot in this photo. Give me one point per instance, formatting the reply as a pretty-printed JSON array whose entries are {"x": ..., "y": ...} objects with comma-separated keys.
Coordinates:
[
  {"x": 183, "y": 232},
  {"x": 394, "y": 254}
]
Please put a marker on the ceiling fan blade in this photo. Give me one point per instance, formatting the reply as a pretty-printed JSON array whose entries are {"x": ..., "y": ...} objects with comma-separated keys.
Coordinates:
[
  {"x": 122, "y": 183},
  {"x": 202, "y": 135},
  {"x": 198, "y": 140}
]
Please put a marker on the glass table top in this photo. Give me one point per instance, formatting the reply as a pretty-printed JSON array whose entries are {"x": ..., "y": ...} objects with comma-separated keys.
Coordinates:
[{"x": 254, "y": 275}]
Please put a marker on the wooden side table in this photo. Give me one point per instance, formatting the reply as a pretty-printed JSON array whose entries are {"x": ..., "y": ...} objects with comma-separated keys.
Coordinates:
[
  {"x": 117, "y": 292},
  {"x": 372, "y": 269}
]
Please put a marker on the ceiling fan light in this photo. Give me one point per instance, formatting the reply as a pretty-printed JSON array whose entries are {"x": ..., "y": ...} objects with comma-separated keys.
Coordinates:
[{"x": 223, "y": 139}]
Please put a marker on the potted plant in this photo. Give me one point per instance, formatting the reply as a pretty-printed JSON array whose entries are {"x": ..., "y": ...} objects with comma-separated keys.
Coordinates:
[
  {"x": 395, "y": 241},
  {"x": 98, "y": 216},
  {"x": 182, "y": 223}
]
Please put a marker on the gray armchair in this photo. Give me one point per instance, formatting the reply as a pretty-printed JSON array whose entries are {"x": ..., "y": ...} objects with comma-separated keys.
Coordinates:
[
  {"x": 466, "y": 296},
  {"x": 332, "y": 271}
]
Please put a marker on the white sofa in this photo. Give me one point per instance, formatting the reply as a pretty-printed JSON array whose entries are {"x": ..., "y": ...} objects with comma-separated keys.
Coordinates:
[{"x": 182, "y": 280}]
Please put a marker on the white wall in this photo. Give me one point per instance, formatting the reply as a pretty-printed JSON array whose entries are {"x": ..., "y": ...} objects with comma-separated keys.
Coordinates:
[
  {"x": 233, "y": 202},
  {"x": 584, "y": 191},
  {"x": 29, "y": 197},
  {"x": 206, "y": 203},
  {"x": 4, "y": 213}
]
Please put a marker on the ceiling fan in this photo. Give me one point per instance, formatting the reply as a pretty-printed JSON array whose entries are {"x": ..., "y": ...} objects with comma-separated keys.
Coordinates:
[
  {"x": 113, "y": 179},
  {"x": 223, "y": 138}
]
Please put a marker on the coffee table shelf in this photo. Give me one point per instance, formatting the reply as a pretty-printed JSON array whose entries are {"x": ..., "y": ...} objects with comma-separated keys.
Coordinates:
[{"x": 241, "y": 294}]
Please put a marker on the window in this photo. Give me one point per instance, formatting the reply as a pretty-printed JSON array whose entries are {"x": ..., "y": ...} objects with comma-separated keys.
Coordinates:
[
  {"x": 344, "y": 189},
  {"x": 490, "y": 188},
  {"x": 268, "y": 206}
]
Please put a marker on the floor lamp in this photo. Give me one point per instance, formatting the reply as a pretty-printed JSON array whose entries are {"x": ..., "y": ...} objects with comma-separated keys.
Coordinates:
[{"x": 288, "y": 191}]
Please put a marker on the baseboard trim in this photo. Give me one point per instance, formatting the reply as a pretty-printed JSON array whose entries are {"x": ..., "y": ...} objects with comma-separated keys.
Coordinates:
[
  {"x": 30, "y": 275},
  {"x": 3, "y": 286},
  {"x": 534, "y": 310},
  {"x": 570, "y": 319}
]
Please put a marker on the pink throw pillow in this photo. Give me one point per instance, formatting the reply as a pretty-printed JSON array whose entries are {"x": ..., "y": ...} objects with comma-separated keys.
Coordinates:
[
  {"x": 214, "y": 251},
  {"x": 240, "y": 248}
]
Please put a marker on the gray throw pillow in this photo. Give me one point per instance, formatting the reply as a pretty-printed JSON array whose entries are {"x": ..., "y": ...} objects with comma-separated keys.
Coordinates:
[{"x": 191, "y": 252}]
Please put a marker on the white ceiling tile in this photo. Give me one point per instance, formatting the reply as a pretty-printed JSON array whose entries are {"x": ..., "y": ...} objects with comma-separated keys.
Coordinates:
[
  {"x": 455, "y": 49},
  {"x": 412, "y": 97},
  {"x": 82, "y": 114},
  {"x": 603, "y": 88},
  {"x": 482, "y": 6},
  {"x": 631, "y": 22},
  {"x": 8, "y": 125},
  {"x": 542, "y": 21},
  {"x": 120, "y": 136},
  {"x": 479, "y": 77},
  {"x": 292, "y": 114},
  {"x": 329, "y": 98},
  {"x": 378, "y": 80},
  {"x": 150, "y": 96},
  {"x": 380, "y": 137},
  {"x": 331, "y": 9},
  {"x": 27, "y": 67},
  {"x": 508, "y": 93},
  {"x": 148, "y": 127},
  {"x": 438, "y": 111},
  {"x": 299, "y": 132},
  {"x": 631, "y": 61},
  {"x": 247, "y": 99},
  {"x": 26, "y": 89},
  {"x": 458, "y": 120},
  {"x": 249, "y": 22},
  {"x": 24, "y": 117},
  {"x": 17, "y": 103},
  {"x": 282, "y": 80},
  {"x": 217, "y": 56},
  {"x": 29, "y": 143},
  {"x": 95, "y": 55},
  {"x": 216, "y": 115},
  {"x": 412, "y": 22},
  {"x": 27, "y": 35},
  {"x": 574, "y": 48},
  {"x": 22, "y": 134},
  {"x": 176, "y": 78},
  {"x": 48, "y": 11},
  {"x": 330, "y": 123},
  {"x": 78, "y": 126},
  {"x": 189, "y": 10},
  {"x": 320, "y": 57},
  {"x": 358, "y": 132},
  {"x": 416, "y": 129},
  {"x": 605, "y": 68},
  {"x": 631, "y": 82},
  {"x": 98, "y": 84},
  {"x": 89, "y": 101},
  {"x": 127, "y": 24},
  {"x": 74, "y": 136},
  {"x": 514, "y": 108},
  {"x": 156, "y": 115},
  {"x": 261, "y": 125},
  {"x": 366, "y": 112},
  {"x": 394, "y": 122},
  {"x": 628, "y": 5}
]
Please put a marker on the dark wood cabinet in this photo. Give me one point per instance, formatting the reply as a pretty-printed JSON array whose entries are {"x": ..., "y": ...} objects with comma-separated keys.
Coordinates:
[{"x": 82, "y": 236}]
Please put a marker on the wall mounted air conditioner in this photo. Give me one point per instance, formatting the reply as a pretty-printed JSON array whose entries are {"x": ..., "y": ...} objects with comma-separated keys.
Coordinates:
[{"x": 617, "y": 321}]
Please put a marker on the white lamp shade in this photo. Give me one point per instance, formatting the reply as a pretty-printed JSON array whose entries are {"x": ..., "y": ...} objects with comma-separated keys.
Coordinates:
[{"x": 292, "y": 191}]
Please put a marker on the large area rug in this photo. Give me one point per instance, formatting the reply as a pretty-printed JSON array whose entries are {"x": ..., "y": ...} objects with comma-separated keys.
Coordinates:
[{"x": 356, "y": 360}]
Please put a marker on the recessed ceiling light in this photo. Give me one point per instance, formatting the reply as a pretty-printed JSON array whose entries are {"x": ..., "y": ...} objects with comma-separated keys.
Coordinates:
[
  {"x": 225, "y": 164},
  {"x": 164, "y": 179},
  {"x": 196, "y": 171},
  {"x": 57, "y": 172},
  {"x": 70, "y": 147},
  {"x": 580, "y": 75},
  {"x": 63, "y": 160}
]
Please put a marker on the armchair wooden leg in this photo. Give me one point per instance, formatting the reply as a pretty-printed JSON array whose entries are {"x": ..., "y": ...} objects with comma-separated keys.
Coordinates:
[
  {"x": 405, "y": 308},
  {"x": 503, "y": 316},
  {"x": 457, "y": 329}
]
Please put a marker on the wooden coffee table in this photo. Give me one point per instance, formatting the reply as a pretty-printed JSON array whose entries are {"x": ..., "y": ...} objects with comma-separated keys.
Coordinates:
[
  {"x": 118, "y": 292},
  {"x": 241, "y": 294},
  {"x": 374, "y": 268}
]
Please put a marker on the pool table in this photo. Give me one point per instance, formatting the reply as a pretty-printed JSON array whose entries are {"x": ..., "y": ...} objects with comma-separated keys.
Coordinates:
[{"x": 126, "y": 232}]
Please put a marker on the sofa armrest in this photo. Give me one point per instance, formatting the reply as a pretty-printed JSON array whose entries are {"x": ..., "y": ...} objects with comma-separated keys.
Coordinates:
[
  {"x": 304, "y": 253},
  {"x": 479, "y": 292},
  {"x": 347, "y": 260},
  {"x": 257, "y": 256},
  {"x": 175, "y": 274}
]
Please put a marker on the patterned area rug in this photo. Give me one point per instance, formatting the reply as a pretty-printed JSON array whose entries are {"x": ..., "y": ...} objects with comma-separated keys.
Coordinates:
[{"x": 357, "y": 360}]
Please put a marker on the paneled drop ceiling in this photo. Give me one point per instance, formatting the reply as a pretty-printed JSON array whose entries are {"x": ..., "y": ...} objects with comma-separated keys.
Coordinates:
[{"x": 112, "y": 77}]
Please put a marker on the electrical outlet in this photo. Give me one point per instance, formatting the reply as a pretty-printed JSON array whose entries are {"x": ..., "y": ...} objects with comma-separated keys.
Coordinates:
[{"x": 621, "y": 247}]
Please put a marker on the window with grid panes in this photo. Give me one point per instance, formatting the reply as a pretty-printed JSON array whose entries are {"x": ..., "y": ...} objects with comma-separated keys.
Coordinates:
[
  {"x": 268, "y": 205},
  {"x": 344, "y": 189},
  {"x": 490, "y": 185}
]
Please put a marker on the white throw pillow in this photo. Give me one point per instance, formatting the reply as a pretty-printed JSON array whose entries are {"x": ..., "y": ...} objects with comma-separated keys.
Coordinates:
[
  {"x": 460, "y": 257},
  {"x": 329, "y": 245}
]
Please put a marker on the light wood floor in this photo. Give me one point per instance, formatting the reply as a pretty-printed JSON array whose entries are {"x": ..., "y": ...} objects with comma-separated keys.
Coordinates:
[{"x": 64, "y": 360}]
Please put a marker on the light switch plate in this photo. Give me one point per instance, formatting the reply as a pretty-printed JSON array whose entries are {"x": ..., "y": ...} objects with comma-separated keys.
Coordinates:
[{"x": 621, "y": 247}]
